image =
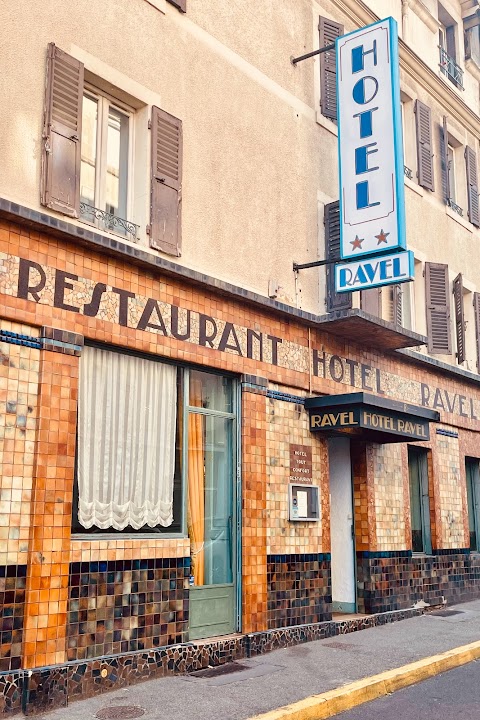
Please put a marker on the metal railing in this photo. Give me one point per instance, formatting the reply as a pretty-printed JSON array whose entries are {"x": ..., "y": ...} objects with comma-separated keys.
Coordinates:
[
  {"x": 449, "y": 67},
  {"x": 107, "y": 221},
  {"x": 407, "y": 172},
  {"x": 456, "y": 208}
]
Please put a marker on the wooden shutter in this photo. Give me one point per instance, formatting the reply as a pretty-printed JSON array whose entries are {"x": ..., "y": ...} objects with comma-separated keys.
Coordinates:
[
  {"x": 476, "y": 310},
  {"x": 329, "y": 31},
  {"x": 166, "y": 188},
  {"x": 459, "y": 317},
  {"x": 423, "y": 122},
  {"x": 62, "y": 132},
  {"x": 445, "y": 167},
  {"x": 397, "y": 294},
  {"x": 371, "y": 301},
  {"x": 472, "y": 186},
  {"x": 438, "y": 308},
  {"x": 179, "y": 4},
  {"x": 331, "y": 220}
]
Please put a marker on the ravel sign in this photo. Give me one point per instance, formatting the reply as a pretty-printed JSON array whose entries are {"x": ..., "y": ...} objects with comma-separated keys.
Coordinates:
[{"x": 372, "y": 204}]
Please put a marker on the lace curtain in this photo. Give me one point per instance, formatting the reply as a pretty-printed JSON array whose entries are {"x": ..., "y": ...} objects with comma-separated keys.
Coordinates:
[{"x": 126, "y": 440}]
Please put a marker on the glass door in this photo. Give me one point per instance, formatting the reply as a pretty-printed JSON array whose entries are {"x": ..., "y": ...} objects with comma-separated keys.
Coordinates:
[{"x": 211, "y": 516}]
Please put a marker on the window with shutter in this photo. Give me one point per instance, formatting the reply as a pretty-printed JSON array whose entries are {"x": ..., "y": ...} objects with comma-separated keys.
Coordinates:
[
  {"x": 445, "y": 161},
  {"x": 62, "y": 129},
  {"x": 331, "y": 220},
  {"x": 179, "y": 4},
  {"x": 459, "y": 318},
  {"x": 472, "y": 186},
  {"x": 397, "y": 304},
  {"x": 423, "y": 122},
  {"x": 476, "y": 310},
  {"x": 166, "y": 182},
  {"x": 329, "y": 31},
  {"x": 438, "y": 308}
]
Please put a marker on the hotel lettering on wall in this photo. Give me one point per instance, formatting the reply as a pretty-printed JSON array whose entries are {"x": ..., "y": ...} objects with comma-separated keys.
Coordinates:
[{"x": 370, "y": 146}]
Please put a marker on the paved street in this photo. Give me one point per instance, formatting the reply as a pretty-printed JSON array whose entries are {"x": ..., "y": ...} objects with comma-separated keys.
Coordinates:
[
  {"x": 448, "y": 696},
  {"x": 284, "y": 676}
]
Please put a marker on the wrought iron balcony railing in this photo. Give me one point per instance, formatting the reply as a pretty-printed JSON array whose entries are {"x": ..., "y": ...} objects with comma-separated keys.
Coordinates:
[
  {"x": 106, "y": 221},
  {"x": 407, "y": 172},
  {"x": 456, "y": 208},
  {"x": 449, "y": 67}
]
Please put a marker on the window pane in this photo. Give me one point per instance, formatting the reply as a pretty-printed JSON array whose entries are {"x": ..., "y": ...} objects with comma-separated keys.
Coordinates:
[
  {"x": 117, "y": 163},
  {"x": 471, "y": 467},
  {"x": 89, "y": 150},
  {"x": 210, "y": 498},
  {"x": 210, "y": 391}
]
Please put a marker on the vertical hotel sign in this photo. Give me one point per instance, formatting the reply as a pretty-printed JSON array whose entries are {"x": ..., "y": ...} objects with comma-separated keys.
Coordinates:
[{"x": 372, "y": 205}]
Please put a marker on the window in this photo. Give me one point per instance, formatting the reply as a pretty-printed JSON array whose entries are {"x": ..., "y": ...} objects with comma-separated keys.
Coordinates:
[
  {"x": 409, "y": 149},
  {"x": 451, "y": 173},
  {"x": 473, "y": 501},
  {"x": 419, "y": 500},
  {"x": 105, "y": 163},
  {"x": 88, "y": 157},
  {"x": 147, "y": 430},
  {"x": 448, "y": 48}
]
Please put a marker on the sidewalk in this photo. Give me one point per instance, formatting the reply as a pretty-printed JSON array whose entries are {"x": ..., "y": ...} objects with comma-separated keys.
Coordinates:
[{"x": 286, "y": 676}]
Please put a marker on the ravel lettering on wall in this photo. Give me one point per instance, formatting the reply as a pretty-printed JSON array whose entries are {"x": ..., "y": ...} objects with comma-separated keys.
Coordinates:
[{"x": 34, "y": 282}]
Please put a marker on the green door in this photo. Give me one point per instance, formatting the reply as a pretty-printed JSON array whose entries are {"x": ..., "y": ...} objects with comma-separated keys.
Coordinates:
[{"x": 211, "y": 474}]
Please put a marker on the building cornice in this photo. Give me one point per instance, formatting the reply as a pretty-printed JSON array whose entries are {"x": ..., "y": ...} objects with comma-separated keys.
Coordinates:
[
  {"x": 418, "y": 70},
  {"x": 424, "y": 14}
]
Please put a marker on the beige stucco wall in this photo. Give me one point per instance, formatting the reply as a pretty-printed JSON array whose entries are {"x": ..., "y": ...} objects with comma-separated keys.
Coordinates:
[{"x": 259, "y": 160}]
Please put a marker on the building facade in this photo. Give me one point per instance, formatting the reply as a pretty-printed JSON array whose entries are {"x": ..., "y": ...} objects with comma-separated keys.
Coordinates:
[{"x": 206, "y": 451}]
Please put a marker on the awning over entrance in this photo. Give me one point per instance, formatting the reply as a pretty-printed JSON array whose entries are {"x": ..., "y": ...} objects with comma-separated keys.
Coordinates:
[{"x": 369, "y": 417}]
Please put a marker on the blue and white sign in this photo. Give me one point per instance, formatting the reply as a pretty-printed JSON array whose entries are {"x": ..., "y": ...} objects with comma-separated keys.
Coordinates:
[
  {"x": 374, "y": 272},
  {"x": 372, "y": 205}
]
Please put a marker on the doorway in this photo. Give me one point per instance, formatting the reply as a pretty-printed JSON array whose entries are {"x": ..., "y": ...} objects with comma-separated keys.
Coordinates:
[
  {"x": 210, "y": 424},
  {"x": 342, "y": 526}
]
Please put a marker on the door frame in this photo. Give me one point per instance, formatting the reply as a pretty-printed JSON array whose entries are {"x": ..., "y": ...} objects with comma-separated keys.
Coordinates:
[{"x": 234, "y": 416}]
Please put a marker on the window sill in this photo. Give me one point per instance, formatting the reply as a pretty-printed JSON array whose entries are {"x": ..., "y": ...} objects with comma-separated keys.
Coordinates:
[
  {"x": 461, "y": 221},
  {"x": 113, "y": 537},
  {"x": 327, "y": 124},
  {"x": 414, "y": 186}
]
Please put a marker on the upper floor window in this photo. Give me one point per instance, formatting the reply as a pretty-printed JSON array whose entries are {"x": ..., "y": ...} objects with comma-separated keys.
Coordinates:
[
  {"x": 447, "y": 44},
  {"x": 105, "y": 162},
  {"x": 88, "y": 157}
]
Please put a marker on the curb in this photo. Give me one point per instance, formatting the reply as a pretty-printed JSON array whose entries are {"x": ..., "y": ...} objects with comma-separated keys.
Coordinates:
[{"x": 320, "y": 707}]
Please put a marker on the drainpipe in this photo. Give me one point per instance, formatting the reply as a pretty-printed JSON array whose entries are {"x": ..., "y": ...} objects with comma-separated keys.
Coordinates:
[{"x": 405, "y": 4}]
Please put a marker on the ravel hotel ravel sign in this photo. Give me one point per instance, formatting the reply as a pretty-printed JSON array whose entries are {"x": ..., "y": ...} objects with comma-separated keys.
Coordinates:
[
  {"x": 373, "y": 418},
  {"x": 372, "y": 204}
]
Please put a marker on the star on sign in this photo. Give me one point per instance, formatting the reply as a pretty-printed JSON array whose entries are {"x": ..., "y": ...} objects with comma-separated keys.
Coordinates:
[
  {"x": 357, "y": 243},
  {"x": 382, "y": 237}
]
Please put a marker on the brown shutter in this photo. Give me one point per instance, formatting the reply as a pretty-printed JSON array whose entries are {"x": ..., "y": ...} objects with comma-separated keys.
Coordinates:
[
  {"x": 476, "y": 309},
  {"x": 459, "y": 317},
  {"x": 397, "y": 293},
  {"x": 371, "y": 301},
  {"x": 179, "y": 4},
  {"x": 445, "y": 167},
  {"x": 423, "y": 122},
  {"x": 329, "y": 31},
  {"x": 166, "y": 189},
  {"x": 438, "y": 308},
  {"x": 472, "y": 186},
  {"x": 62, "y": 132},
  {"x": 331, "y": 220}
]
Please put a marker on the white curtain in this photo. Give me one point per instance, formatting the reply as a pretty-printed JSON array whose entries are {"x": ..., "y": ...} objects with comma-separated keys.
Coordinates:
[{"x": 126, "y": 440}]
